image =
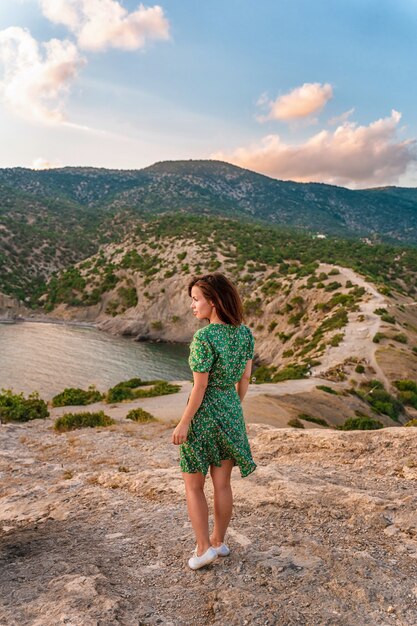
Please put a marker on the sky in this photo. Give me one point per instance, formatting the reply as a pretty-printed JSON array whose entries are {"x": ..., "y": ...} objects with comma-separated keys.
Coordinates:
[{"x": 298, "y": 90}]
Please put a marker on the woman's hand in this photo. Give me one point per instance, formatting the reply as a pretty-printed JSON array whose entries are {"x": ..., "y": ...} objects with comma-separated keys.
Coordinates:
[{"x": 180, "y": 433}]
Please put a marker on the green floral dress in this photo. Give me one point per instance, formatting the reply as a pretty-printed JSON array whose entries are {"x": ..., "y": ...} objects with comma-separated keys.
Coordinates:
[{"x": 217, "y": 430}]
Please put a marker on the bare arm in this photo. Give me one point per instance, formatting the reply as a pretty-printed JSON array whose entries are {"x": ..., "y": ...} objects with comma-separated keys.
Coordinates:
[
  {"x": 243, "y": 384},
  {"x": 196, "y": 396}
]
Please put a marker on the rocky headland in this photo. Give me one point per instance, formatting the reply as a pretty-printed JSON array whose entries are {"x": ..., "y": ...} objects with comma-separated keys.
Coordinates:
[{"x": 95, "y": 531}]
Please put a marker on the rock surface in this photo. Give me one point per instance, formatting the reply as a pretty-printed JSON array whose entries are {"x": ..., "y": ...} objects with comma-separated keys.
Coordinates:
[{"x": 95, "y": 530}]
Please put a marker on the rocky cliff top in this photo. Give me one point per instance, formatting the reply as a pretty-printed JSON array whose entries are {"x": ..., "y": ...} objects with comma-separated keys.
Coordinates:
[{"x": 95, "y": 530}]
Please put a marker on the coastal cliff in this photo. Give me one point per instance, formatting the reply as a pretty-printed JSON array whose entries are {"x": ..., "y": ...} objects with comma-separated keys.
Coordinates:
[{"x": 94, "y": 530}]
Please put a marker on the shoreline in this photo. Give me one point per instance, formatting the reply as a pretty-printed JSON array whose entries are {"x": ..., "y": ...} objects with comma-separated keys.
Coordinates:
[{"x": 46, "y": 320}]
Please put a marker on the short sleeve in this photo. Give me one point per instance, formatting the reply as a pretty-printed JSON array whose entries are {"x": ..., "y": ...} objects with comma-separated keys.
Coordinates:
[
  {"x": 250, "y": 348},
  {"x": 201, "y": 355}
]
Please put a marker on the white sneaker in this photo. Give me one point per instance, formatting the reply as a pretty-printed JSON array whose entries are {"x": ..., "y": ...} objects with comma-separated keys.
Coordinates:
[
  {"x": 199, "y": 561},
  {"x": 222, "y": 549}
]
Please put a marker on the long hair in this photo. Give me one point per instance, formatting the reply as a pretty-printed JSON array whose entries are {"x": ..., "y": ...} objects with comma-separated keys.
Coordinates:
[{"x": 222, "y": 292}]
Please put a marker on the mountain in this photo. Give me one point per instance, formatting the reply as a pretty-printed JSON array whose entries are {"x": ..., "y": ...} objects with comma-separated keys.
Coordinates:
[
  {"x": 215, "y": 187},
  {"x": 53, "y": 218}
]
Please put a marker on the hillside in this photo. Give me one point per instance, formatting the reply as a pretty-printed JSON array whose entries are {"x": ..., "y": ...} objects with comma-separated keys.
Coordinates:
[
  {"x": 309, "y": 318},
  {"x": 54, "y": 218},
  {"x": 95, "y": 530}
]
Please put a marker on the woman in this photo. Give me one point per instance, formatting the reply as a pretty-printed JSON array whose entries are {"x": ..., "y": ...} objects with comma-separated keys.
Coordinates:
[{"x": 212, "y": 433}]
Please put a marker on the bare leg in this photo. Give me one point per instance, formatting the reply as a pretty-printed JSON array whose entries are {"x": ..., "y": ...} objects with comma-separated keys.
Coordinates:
[
  {"x": 197, "y": 509},
  {"x": 223, "y": 500}
]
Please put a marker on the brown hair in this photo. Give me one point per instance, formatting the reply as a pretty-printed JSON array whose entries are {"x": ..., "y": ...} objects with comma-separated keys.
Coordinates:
[{"x": 222, "y": 292}]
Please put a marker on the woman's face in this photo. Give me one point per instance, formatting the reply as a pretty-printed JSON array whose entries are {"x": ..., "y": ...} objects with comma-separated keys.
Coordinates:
[{"x": 201, "y": 307}]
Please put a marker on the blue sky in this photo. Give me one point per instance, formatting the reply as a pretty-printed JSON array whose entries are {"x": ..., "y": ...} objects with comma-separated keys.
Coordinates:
[{"x": 294, "y": 89}]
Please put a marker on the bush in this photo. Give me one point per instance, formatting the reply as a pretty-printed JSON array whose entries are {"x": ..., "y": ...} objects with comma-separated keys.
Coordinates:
[
  {"x": 359, "y": 369},
  {"x": 291, "y": 372},
  {"x": 377, "y": 337},
  {"x": 128, "y": 390},
  {"x": 361, "y": 423},
  {"x": 408, "y": 391},
  {"x": 72, "y": 421},
  {"x": 390, "y": 319},
  {"x": 406, "y": 385},
  {"x": 332, "y": 286},
  {"x": 17, "y": 408},
  {"x": 401, "y": 338},
  {"x": 310, "y": 418},
  {"x": 263, "y": 374},
  {"x": 336, "y": 339},
  {"x": 77, "y": 397},
  {"x": 412, "y": 422},
  {"x": 140, "y": 415},
  {"x": 327, "y": 389},
  {"x": 373, "y": 392},
  {"x": 295, "y": 423}
]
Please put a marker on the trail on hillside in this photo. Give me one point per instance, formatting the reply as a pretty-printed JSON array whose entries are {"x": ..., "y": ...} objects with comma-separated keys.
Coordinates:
[{"x": 358, "y": 335}]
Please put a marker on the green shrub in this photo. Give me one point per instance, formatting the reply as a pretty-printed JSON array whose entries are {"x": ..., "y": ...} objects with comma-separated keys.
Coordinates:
[
  {"x": 157, "y": 325},
  {"x": 17, "y": 408},
  {"x": 401, "y": 338},
  {"x": 72, "y": 421},
  {"x": 412, "y": 422},
  {"x": 374, "y": 393},
  {"x": 332, "y": 286},
  {"x": 128, "y": 390},
  {"x": 292, "y": 371},
  {"x": 361, "y": 423},
  {"x": 336, "y": 339},
  {"x": 406, "y": 385},
  {"x": 76, "y": 397},
  {"x": 327, "y": 389},
  {"x": 390, "y": 319},
  {"x": 408, "y": 392},
  {"x": 310, "y": 418},
  {"x": 359, "y": 369},
  {"x": 295, "y": 423},
  {"x": 377, "y": 337},
  {"x": 140, "y": 415},
  {"x": 263, "y": 374}
]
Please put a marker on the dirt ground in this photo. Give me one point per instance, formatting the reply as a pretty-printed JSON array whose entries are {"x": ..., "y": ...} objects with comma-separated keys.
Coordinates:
[{"x": 95, "y": 532}]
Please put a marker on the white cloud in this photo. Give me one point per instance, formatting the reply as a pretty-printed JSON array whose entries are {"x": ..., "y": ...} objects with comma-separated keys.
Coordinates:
[
  {"x": 101, "y": 24},
  {"x": 343, "y": 117},
  {"x": 351, "y": 155},
  {"x": 299, "y": 103},
  {"x": 36, "y": 78}
]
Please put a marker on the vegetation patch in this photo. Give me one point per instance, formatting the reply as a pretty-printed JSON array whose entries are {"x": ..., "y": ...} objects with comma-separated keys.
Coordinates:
[
  {"x": 407, "y": 392},
  {"x": 361, "y": 423},
  {"x": 327, "y": 389},
  {"x": 16, "y": 408},
  {"x": 72, "y": 421},
  {"x": 373, "y": 393},
  {"x": 311, "y": 418},
  {"x": 295, "y": 423},
  {"x": 75, "y": 397},
  {"x": 130, "y": 389},
  {"x": 140, "y": 415}
]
